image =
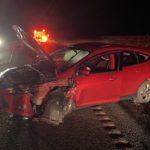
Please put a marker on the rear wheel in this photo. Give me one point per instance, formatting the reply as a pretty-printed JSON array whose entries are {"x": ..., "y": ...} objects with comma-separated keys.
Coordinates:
[
  {"x": 143, "y": 93},
  {"x": 57, "y": 108}
]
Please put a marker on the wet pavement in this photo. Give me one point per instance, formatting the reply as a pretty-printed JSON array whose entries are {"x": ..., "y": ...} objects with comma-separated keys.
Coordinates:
[{"x": 105, "y": 127}]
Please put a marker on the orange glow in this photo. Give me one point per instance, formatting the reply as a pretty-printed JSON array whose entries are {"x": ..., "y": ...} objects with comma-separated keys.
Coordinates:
[
  {"x": 34, "y": 32},
  {"x": 44, "y": 38},
  {"x": 41, "y": 36}
]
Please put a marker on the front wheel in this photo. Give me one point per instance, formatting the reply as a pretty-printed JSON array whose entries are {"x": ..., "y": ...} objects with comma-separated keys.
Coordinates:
[
  {"x": 143, "y": 93},
  {"x": 57, "y": 108}
]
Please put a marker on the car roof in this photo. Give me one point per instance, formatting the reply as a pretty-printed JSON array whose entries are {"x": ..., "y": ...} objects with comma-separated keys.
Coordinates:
[{"x": 92, "y": 46}]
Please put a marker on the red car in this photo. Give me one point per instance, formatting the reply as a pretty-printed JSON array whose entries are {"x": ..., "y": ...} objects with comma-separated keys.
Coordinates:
[
  {"x": 105, "y": 73},
  {"x": 83, "y": 74}
]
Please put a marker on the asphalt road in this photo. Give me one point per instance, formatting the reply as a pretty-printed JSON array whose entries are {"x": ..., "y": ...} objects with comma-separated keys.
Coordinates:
[{"x": 105, "y": 127}]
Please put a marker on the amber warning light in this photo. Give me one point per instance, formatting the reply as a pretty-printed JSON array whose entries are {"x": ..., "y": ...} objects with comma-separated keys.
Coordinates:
[{"x": 41, "y": 36}]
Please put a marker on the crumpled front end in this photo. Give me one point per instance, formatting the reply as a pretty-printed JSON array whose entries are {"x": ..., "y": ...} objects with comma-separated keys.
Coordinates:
[
  {"x": 19, "y": 85},
  {"x": 48, "y": 101},
  {"x": 28, "y": 82}
]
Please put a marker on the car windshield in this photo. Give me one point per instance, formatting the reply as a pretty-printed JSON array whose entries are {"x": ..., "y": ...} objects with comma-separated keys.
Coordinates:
[{"x": 65, "y": 58}]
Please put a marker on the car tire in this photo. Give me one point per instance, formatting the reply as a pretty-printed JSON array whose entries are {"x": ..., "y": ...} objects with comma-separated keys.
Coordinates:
[
  {"x": 57, "y": 108},
  {"x": 143, "y": 93}
]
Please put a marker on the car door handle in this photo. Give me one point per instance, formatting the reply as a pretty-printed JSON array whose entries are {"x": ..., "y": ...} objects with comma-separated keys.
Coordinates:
[
  {"x": 110, "y": 79},
  {"x": 111, "y": 76},
  {"x": 137, "y": 71}
]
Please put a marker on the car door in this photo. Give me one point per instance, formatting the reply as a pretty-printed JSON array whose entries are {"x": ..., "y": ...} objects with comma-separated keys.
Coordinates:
[
  {"x": 132, "y": 72},
  {"x": 103, "y": 82}
]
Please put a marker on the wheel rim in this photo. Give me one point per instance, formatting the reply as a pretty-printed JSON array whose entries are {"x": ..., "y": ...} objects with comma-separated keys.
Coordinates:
[{"x": 145, "y": 93}]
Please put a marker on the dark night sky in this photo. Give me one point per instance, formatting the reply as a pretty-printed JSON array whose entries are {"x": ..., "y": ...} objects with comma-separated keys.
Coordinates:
[{"x": 70, "y": 19}]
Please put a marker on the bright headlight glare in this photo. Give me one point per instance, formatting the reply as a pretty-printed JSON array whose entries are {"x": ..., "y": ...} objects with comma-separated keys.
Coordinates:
[{"x": 1, "y": 42}]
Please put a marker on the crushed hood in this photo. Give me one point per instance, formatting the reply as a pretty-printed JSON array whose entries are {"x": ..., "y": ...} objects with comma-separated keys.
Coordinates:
[{"x": 22, "y": 60}]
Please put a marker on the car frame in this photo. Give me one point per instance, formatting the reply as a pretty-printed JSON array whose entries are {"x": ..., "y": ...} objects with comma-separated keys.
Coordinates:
[
  {"x": 128, "y": 90},
  {"x": 98, "y": 73}
]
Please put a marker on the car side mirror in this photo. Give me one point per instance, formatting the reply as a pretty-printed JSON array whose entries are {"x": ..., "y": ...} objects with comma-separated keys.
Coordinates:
[{"x": 84, "y": 71}]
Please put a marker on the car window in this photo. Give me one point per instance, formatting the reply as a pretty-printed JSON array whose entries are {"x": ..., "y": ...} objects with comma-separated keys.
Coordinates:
[
  {"x": 142, "y": 57},
  {"x": 128, "y": 58},
  {"x": 67, "y": 57},
  {"x": 102, "y": 63}
]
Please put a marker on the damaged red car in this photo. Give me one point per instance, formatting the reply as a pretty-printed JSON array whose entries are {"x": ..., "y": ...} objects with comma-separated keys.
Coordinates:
[{"x": 50, "y": 86}]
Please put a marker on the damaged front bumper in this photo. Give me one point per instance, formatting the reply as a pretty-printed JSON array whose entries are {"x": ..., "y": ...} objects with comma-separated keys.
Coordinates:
[{"x": 48, "y": 101}]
